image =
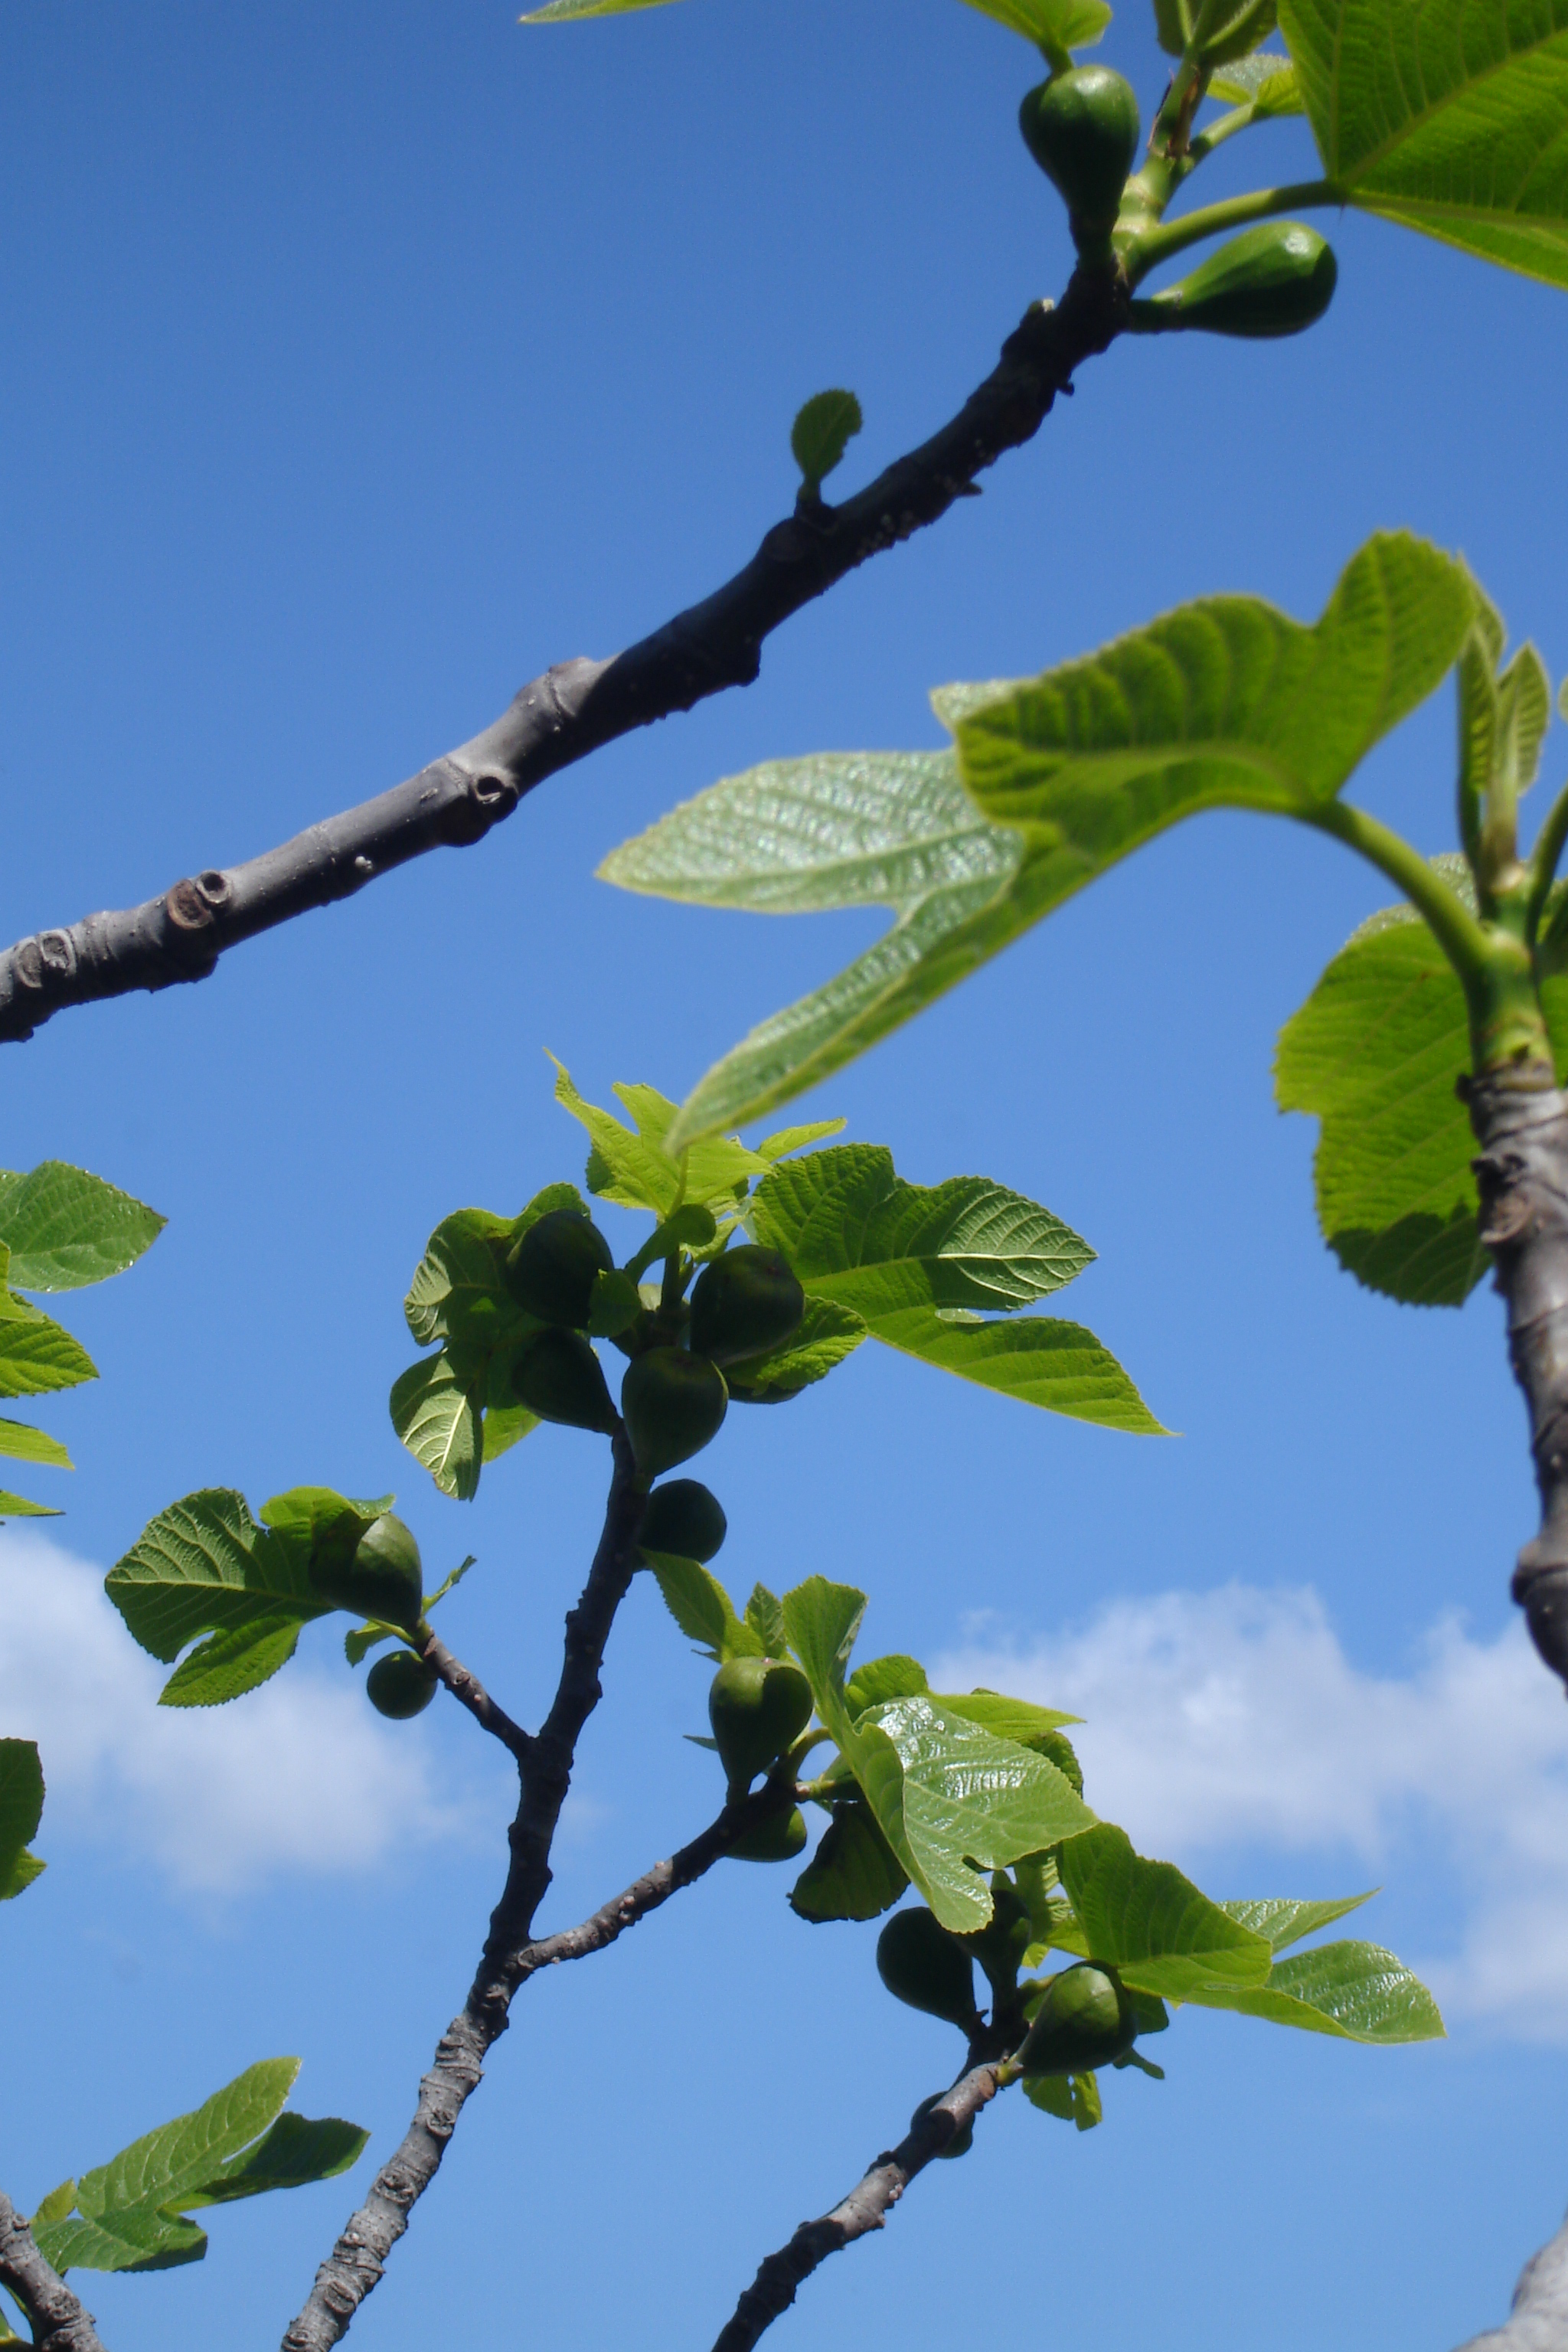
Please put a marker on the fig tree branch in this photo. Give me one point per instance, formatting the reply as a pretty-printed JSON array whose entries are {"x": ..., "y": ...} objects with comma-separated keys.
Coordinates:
[
  {"x": 865, "y": 2207},
  {"x": 511, "y": 1955},
  {"x": 469, "y": 1691},
  {"x": 56, "y": 2319},
  {"x": 1522, "y": 1176},
  {"x": 576, "y": 707},
  {"x": 1539, "y": 2320}
]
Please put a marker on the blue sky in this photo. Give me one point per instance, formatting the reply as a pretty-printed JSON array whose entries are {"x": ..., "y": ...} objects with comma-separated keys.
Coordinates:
[{"x": 358, "y": 363}]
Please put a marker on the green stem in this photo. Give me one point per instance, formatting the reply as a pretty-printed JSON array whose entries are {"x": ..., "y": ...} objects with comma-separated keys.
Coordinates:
[
  {"x": 1457, "y": 931},
  {"x": 1158, "y": 244},
  {"x": 1544, "y": 862}
]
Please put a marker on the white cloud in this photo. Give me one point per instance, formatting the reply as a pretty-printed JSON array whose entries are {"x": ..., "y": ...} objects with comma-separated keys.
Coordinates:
[
  {"x": 1234, "y": 1717},
  {"x": 299, "y": 1776}
]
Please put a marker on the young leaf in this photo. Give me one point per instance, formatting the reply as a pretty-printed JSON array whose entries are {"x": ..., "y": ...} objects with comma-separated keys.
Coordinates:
[
  {"x": 65, "y": 1229},
  {"x": 16, "y": 1507},
  {"x": 879, "y": 1679},
  {"x": 632, "y": 1165},
  {"x": 765, "y": 1615},
  {"x": 129, "y": 2211},
  {"x": 1055, "y": 26},
  {"x": 1285, "y": 1923},
  {"x": 854, "y": 1874},
  {"x": 26, "y": 1444},
  {"x": 560, "y": 12},
  {"x": 794, "y": 1139},
  {"x": 37, "y": 1354},
  {"x": 1447, "y": 118},
  {"x": 1074, "y": 2097},
  {"x": 459, "y": 1291},
  {"x": 1009, "y": 1718},
  {"x": 1375, "y": 1053},
  {"x": 21, "y": 1810},
  {"x": 203, "y": 1566},
  {"x": 953, "y": 1801},
  {"x": 855, "y": 1232},
  {"x": 824, "y": 1335},
  {"x": 227, "y": 1664},
  {"x": 703, "y": 1609},
  {"x": 505, "y": 1426},
  {"x": 1154, "y": 1924},
  {"x": 821, "y": 433},
  {"x": 1264, "y": 81},
  {"x": 1356, "y": 1991},
  {"x": 438, "y": 1420},
  {"x": 1225, "y": 703}
]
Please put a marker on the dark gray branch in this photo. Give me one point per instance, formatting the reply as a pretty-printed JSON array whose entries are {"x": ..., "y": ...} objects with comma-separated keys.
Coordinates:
[
  {"x": 1522, "y": 1173},
  {"x": 1539, "y": 2322},
  {"x": 56, "y": 2319},
  {"x": 576, "y": 707},
  {"x": 511, "y": 1956},
  {"x": 865, "y": 2207},
  {"x": 469, "y": 1691}
]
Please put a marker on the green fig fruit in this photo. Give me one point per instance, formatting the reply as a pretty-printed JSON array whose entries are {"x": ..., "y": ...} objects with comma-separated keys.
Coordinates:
[
  {"x": 401, "y": 1685},
  {"x": 685, "y": 1517},
  {"x": 757, "y": 1707},
  {"x": 1274, "y": 280},
  {"x": 1084, "y": 2020},
  {"x": 920, "y": 1963},
  {"x": 1082, "y": 129},
  {"x": 559, "y": 1379},
  {"x": 1001, "y": 1944},
  {"x": 551, "y": 1271},
  {"x": 778, "y": 1839},
  {"x": 381, "y": 1578},
  {"x": 673, "y": 1402},
  {"x": 744, "y": 1304},
  {"x": 962, "y": 2139}
]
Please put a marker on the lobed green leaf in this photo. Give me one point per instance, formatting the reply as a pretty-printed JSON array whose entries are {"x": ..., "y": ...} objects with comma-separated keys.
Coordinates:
[
  {"x": 1447, "y": 117},
  {"x": 1356, "y": 1991},
  {"x": 1147, "y": 1920},
  {"x": 203, "y": 1566}
]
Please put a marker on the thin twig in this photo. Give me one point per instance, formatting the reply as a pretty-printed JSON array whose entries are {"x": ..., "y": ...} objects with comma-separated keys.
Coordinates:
[
  {"x": 466, "y": 1689},
  {"x": 58, "y": 2320},
  {"x": 511, "y": 1956},
  {"x": 865, "y": 2209},
  {"x": 576, "y": 707}
]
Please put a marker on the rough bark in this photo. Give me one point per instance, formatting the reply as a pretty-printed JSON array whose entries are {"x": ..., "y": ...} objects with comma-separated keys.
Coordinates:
[
  {"x": 1538, "y": 2321},
  {"x": 511, "y": 1956},
  {"x": 1522, "y": 1173},
  {"x": 56, "y": 2319},
  {"x": 571, "y": 710},
  {"x": 865, "y": 2207}
]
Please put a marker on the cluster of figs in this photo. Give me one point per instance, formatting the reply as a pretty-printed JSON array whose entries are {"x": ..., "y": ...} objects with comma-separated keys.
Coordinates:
[
  {"x": 745, "y": 1303},
  {"x": 1081, "y": 2019},
  {"x": 1081, "y": 126}
]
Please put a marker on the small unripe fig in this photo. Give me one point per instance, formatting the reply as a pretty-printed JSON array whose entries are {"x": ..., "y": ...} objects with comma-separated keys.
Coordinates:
[
  {"x": 1001, "y": 1944},
  {"x": 1082, "y": 129},
  {"x": 962, "y": 2139},
  {"x": 744, "y": 1304},
  {"x": 685, "y": 1517},
  {"x": 1274, "y": 280},
  {"x": 756, "y": 1707},
  {"x": 559, "y": 1379},
  {"x": 1084, "y": 2021},
  {"x": 673, "y": 1402},
  {"x": 551, "y": 1270},
  {"x": 401, "y": 1685},
  {"x": 922, "y": 1964},
  {"x": 778, "y": 1839},
  {"x": 382, "y": 1578}
]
